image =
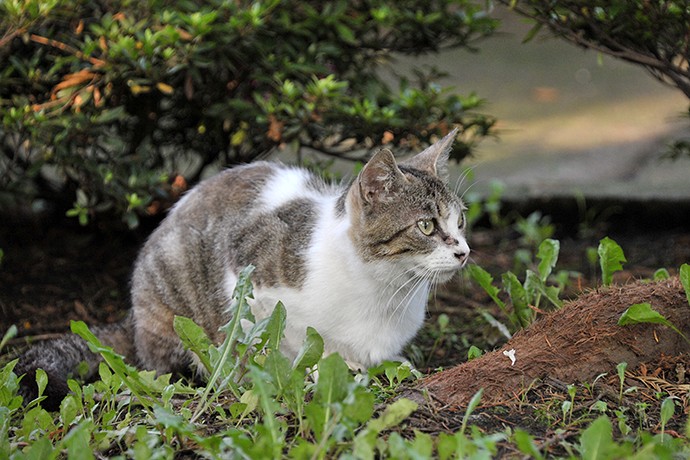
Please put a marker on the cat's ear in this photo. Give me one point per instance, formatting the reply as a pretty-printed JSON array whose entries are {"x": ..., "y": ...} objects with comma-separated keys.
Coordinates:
[
  {"x": 434, "y": 159},
  {"x": 380, "y": 177}
]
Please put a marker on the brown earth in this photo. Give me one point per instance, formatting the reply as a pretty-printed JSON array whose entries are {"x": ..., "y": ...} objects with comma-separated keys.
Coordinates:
[{"x": 573, "y": 344}]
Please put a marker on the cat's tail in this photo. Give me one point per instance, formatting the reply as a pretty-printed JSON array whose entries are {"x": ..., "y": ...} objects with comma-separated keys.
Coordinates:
[{"x": 61, "y": 359}]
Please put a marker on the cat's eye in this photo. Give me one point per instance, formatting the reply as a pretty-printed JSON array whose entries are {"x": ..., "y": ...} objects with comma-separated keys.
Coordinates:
[
  {"x": 461, "y": 221},
  {"x": 426, "y": 226}
]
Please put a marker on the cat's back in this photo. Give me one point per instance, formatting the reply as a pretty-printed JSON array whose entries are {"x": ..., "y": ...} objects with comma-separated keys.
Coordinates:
[
  {"x": 262, "y": 214},
  {"x": 252, "y": 189}
]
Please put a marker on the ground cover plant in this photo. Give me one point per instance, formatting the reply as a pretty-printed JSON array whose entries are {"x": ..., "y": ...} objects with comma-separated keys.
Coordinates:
[{"x": 255, "y": 402}]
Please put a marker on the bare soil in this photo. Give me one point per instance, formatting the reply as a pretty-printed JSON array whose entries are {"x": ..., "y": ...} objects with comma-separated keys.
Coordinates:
[{"x": 574, "y": 344}]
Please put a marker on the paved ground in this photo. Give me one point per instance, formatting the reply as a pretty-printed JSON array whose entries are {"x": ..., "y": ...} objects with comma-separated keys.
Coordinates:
[{"x": 571, "y": 121}]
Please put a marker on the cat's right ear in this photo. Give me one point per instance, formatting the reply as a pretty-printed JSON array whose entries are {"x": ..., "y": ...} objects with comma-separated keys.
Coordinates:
[{"x": 380, "y": 178}]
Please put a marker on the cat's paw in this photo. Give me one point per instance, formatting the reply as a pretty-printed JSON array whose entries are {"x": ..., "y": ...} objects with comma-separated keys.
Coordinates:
[{"x": 355, "y": 366}]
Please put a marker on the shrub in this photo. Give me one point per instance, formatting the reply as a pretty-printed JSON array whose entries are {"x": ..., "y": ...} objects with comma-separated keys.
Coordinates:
[{"x": 106, "y": 105}]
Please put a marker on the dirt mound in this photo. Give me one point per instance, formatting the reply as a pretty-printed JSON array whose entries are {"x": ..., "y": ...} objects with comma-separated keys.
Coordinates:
[{"x": 573, "y": 344}]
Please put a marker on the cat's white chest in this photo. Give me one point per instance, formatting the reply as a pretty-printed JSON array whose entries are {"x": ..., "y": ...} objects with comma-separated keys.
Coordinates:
[{"x": 363, "y": 312}]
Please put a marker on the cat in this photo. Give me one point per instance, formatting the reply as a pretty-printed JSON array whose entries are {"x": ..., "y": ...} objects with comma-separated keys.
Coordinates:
[{"x": 355, "y": 262}]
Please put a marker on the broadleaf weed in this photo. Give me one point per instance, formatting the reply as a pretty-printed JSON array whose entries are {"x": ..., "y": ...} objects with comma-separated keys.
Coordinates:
[{"x": 611, "y": 259}]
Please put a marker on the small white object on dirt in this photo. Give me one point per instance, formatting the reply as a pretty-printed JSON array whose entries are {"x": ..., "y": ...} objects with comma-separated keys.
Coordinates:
[{"x": 510, "y": 354}]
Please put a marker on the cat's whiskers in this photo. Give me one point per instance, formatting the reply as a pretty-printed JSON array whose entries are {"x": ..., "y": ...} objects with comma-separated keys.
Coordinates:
[
  {"x": 462, "y": 196},
  {"x": 462, "y": 178},
  {"x": 434, "y": 285},
  {"x": 419, "y": 282},
  {"x": 391, "y": 297},
  {"x": 431, "y": 278},
  {"x": 404, "y": 303},
  {"x": 391, "y": 284}
]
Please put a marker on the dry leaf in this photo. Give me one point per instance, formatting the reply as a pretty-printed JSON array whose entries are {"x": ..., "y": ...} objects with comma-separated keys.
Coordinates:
[
  {"x": 164, "y": 88},
  {"x": 74, "y": 79},
  {"x": 189, "y": 87},
  {"x": 275, "y": 130}
]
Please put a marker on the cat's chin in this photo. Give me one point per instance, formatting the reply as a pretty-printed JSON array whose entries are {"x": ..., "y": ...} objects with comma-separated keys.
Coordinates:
[{"x": 444, "y": 276}]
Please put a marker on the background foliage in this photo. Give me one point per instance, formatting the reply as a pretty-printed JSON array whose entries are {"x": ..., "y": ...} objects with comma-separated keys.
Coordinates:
[{"x": 105, "y": 102}]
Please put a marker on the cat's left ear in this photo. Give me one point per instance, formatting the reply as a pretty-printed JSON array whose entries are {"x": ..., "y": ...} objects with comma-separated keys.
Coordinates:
[
  {"x": 434, "y": 159},
  {"x": 380, "y": 178}
]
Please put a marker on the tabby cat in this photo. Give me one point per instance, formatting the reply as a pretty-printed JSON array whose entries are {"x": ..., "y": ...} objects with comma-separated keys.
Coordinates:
[{"x": 354, "y": 262}]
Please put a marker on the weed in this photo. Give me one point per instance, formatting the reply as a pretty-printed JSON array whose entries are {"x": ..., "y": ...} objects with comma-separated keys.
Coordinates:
[
  {"x": 473, "y": 353},
  {"x": 620, "y": 369},
  {"x": 534, "y": 229},
  {"x": 644, "y": 313},
  {"x": 611, "y": 258},
  {"x": 567, "y": 406},
  {"x": 526, "y": 297},
  {"x": 668, "y": 408}
]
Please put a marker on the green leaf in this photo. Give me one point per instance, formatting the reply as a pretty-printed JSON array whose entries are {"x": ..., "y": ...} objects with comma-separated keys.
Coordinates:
[
  {"x": 9, "y": 383},
  {"x": 525, "y": 443},
  {"x": 365, "y": 441},
  {"x": 239, "y": 310},
  {"x": 345, "y": 33},
  {"x": 41, "y": 381},
  {"x": 393, "y": 415},
  {"x": 471, "y": 406},
  {"x": 473, "y": 353},
  {"x": 276, "y": 326},
  {"x": 359, "y": 405},
  {"x": 128, "y": 374},
  {"x": 661, "y": 274},
  {"x": 278, "y": 367},
  {"x": 611, "y": 258},
  {"x": 597, "y": 440},
  {"x": 267, "y": 333},
  {"x": 642, "y": 313},
  {"x": 194, "y": 338},
  {"x": 334, "y": 376},
  {"x": 668, "y": 408},
  {"x": 77, "y": 441},
  {"x": 110, "y": 115},
  {"x": 485, "y": 280},
  {"x": 311, "y": 351},
  {"x": 269, "y": 408},
  {"x": 41, "y": 449},
  {"x": 9, "y": 335},
  {"x": 685, "y": 279},
  {"x": 548, "y": 256},
  {"x": 516, "y": 291},
  {"x": 68, "y": 410}
]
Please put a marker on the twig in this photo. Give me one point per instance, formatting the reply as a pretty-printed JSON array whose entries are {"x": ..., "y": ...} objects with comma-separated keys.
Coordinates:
[
  {"x": 10, "y": 36},
  {"x": 66, "y": 48}
]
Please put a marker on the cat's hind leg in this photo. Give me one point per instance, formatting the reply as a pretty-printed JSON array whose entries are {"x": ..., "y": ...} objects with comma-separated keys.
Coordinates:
[{"x": 158, "y": 347}]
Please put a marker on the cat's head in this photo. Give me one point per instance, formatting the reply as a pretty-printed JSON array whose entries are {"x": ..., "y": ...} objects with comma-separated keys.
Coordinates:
[{"x": 404, "y": 213}]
